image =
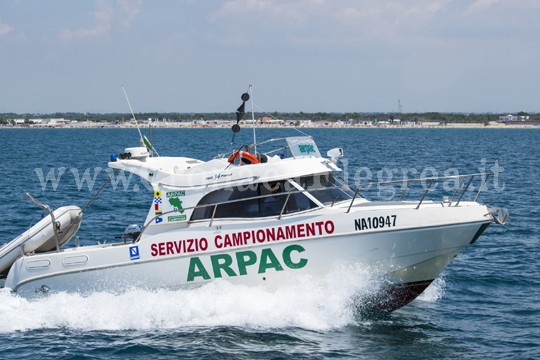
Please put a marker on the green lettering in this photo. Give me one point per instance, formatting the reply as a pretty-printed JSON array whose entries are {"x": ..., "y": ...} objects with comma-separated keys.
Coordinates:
[
  {"x": 176, "y": 193},
  {"x": 287, "y": 257},
  {"x": 243, "y": 262},
  {"x": 196, "y": 268},
  {"x": 269, "y": 260},
  {"x": 222, "y": 262},
  {"x": 306, "y": 148}
]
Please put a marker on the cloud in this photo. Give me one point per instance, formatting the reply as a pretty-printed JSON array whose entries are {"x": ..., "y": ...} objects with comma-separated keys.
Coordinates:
[
  {"x": 480, "y": 5},
  {"x": 5, "y": 29},
  {"x": 303, "y": 11},
  {"x": 278, "y": 11},
  {"x": 387, "y": 19},
  {"x": 131, "y": 9},
  {"x": 503, "y": 9},
  {"x": 342, "y": 20},
  {"x": 103, "y": 17}
]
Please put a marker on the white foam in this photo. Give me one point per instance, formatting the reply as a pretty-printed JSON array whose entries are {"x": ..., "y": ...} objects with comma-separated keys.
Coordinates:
[
  {"x": 434, "y": 292},
  {"x": 308, "y": 303}
]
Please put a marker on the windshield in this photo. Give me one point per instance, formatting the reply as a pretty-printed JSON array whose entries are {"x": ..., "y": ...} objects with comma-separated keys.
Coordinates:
[
  {"x": 250, "y": 201},
  {"x": 326, "y": 188}
]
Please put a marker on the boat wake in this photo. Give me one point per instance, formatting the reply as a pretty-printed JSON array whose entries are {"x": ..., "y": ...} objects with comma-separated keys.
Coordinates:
[{"x": 309, "y": 303}]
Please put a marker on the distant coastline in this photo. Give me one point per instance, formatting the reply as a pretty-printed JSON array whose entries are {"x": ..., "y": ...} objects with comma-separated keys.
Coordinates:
[
  {"x": 429, "y": 120},
  {"x": 185, "y": 125}
]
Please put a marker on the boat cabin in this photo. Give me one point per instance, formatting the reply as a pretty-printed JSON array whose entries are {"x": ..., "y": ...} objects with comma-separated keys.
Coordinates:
[{"x": 189, "y": 190}]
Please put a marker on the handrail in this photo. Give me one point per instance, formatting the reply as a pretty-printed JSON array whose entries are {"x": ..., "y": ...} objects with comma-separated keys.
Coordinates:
[
  {"x": 268, "y": 141},
  {"x": 457, "y": 189},
  {"x": 53, "y": 219},
  {"x": 352, "y": 201},
  {"x": 464, "y": 191},
  {"x": 219, "y": 156},
  {"x": 284, "y": 206},
  {"x": 425, "y": 193},
  {"x": 432, "y": 180},
  {"x": 421, "y": 179},
  {"x": 254, "y": 146},
  {"x": 215, "y": 205},
  {"x": 482, "y": 186},
  {"x": 213, "y": 214}
]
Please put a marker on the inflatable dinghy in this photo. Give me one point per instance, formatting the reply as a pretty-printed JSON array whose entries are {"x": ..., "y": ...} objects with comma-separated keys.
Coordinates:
[{"x": 41, "y": 237}]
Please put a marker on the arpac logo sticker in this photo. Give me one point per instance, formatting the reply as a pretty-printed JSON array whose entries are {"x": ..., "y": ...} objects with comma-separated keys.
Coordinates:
[
  {"x": 177, "y": 204},
  {"x": 171, "y": 194}
]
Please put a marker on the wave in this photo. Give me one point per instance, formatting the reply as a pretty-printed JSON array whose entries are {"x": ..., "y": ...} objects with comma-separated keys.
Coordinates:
[{"x": 308, "y": 303}]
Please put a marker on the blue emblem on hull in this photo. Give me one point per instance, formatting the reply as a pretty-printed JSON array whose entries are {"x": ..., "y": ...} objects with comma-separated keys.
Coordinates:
[{"x": 134, "y": 252}]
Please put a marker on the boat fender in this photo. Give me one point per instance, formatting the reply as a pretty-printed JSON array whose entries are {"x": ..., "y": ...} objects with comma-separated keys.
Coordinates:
[{"x": 245, "y": 157}]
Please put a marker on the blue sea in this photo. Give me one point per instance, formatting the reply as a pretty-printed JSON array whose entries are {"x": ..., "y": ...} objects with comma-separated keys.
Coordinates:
[{"x": 486, "y": 304}]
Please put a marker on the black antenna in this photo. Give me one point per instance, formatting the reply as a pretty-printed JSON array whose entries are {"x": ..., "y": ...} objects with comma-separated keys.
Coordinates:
[{"x": 239, "y": 115}]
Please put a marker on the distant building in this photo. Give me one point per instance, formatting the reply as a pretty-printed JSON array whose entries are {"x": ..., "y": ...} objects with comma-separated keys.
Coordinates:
[
  {"x": 268, "y": 120},
  {"x": 365, "y": 122},
  {"x": 509, "y": 118},
  {"x": 265, "y": 119},
  {"x": 431, "y": 123},
  {"x": 410, "y": 123},
  {"x": 304, "y": 122}
]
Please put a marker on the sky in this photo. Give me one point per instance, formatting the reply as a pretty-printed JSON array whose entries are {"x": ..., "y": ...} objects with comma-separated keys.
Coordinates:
[{"x": 299, "y": 55}]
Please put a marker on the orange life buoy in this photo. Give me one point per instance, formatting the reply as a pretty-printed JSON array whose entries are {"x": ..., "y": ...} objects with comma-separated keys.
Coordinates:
[{"x": 244, "y": 156}]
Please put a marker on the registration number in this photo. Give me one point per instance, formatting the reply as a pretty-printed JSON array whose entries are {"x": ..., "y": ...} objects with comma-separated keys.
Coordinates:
[{"x": 375, "y": 222}]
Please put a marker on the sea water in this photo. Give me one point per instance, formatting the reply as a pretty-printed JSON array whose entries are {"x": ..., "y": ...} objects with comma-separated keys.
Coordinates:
[{"x": 484, "y": 305}]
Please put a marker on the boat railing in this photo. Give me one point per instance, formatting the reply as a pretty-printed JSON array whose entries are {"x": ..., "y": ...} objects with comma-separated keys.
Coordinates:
[
  {"x": 214, "y": 207},
  {"x": 254, "y": 146},
  {"x": 54, "y": 224},
  {"x": 464, "y": 183},
  {"x": 459, "y": 193},
  {"x": 276, "y": 145}
]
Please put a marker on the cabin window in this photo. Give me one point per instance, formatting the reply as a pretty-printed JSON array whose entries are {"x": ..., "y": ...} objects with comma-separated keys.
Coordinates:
[
  {"x": 252, "y": 201},
  {"x": 326, "y": 188}
]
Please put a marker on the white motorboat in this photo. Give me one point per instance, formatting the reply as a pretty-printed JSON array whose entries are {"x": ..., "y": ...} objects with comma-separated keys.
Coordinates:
[{"x": 256, "y": 218}]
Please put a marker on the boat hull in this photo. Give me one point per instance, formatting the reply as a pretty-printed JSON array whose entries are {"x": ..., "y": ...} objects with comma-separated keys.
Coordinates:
[{"x": 403, "y": 260}]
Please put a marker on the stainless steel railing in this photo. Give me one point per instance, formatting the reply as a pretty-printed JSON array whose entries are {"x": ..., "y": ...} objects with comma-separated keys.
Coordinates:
[
  {"x": 459, "y": 191},
  {"x": 432, "y": 180}
]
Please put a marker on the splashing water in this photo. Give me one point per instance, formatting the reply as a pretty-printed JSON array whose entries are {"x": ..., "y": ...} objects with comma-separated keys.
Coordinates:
[
  {"x": 308, "y": 302},
  {"x": 434, "y": 292}
]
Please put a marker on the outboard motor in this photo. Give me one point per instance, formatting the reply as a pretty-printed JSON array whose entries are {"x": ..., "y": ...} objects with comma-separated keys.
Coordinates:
[{"x": 131, "y": 232}]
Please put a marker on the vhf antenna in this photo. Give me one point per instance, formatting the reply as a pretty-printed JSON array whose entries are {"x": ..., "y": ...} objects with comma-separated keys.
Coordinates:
[
  {"x": 253, "y": 119},
  {"x": 144, "y": 140}
]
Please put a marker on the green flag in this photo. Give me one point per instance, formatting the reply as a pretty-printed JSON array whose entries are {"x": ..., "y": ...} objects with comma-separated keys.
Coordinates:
[{"x": 147, "y": 144}]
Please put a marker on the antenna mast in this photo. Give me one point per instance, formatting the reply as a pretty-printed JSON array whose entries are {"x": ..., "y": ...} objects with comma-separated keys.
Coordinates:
[
  {"x": 144, "y": 141},
  {"x": 253, "y": 119},
  {"x": 133, "y": 115}
]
